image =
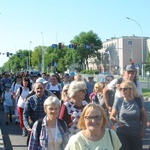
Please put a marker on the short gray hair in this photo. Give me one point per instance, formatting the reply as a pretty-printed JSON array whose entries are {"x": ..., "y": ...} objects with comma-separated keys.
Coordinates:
[
  {"x": 75, "y": 87},
  {"x": 51, "y": 100}
]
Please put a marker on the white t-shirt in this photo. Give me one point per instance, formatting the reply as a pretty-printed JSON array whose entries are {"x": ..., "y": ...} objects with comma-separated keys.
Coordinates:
[
  {"x": 80, "y": 142},
  {"x": 15, "y": 87},
  {"x": 56, "y": 87},
  {"x": 21, "y": 100},
  {"x": 56, "y": 137}
]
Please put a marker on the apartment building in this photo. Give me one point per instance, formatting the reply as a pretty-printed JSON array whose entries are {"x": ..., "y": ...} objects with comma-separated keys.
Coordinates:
[{"x": 118, "y": 52}]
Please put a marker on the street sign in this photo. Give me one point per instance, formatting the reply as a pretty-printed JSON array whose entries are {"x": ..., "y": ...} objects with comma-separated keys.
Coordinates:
[{"x": 54, "y": 45}]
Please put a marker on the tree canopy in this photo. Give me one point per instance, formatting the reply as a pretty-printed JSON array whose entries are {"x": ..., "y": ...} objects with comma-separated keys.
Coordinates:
[{"x": 57, "y": 59}]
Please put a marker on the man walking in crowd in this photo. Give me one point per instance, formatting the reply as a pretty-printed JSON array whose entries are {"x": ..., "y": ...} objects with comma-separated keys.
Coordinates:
[
  {"x": 129, "y": 74},
  {"x": 54, "y": 86},
  {"x": 90, "y": 84},
  {"x": 34, "y": 109}
]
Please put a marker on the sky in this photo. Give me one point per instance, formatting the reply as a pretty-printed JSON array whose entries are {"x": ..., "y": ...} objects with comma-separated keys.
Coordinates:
[{"x": 25, "y": 24}]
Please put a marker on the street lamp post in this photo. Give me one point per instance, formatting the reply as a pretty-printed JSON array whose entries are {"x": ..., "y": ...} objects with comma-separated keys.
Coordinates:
[
  {"x": 29, "y": 55},
  {"x": 141, "y": 42},
  {"x": 43, "y": 52}
]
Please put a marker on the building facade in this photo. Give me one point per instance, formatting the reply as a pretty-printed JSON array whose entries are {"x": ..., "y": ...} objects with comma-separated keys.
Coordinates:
[{"x": 118, "y": 52}]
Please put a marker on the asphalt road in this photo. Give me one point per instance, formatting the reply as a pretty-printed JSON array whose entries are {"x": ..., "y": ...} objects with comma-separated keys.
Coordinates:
[
  {"x": 12, "y": 134},
  {"x": 14, "y": 141}
]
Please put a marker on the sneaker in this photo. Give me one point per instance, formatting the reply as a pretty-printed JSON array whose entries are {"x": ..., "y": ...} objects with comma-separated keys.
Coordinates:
[
  {"x": 24, "y": 133},
  {"x": 16, "y": 121}
]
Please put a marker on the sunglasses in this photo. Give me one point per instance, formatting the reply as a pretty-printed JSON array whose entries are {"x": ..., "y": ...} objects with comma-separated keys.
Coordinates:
[
  {"x": 83, "y": 91},
  {"x": 124, "y": 89},
  {"x": 95, "y": 118}
]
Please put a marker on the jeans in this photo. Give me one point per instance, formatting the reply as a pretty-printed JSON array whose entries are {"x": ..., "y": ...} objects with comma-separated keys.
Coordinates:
[{"x": 130, "y": 142}]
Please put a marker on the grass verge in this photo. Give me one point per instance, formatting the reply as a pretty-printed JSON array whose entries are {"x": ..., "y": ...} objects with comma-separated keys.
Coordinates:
[{"x": 146, "y": 92}]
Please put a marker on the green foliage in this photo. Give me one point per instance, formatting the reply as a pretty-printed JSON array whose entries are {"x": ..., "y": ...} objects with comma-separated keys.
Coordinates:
[
  {"x": 64, "y": 57},
  {"x": 86, "y": 38},
  {"x": 16, "y": 63},
  {"x": 147, "y": 66},
  {"x": 90, "y": 72},
  {"x": 146, "y": 92}
]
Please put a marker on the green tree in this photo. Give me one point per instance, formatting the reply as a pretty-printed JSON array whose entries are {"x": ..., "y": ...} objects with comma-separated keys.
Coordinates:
[
  {"x": 83, "y": 53},
  {"x": 58, "y": 57},
  {"x": 36, "y": 57},
  {"x": 147, "y": 65},
  {"x": 17, "y": 61}
]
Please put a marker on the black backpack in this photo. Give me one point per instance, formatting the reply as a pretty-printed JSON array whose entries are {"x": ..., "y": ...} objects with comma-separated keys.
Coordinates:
[{"x": 39, "y": 126}]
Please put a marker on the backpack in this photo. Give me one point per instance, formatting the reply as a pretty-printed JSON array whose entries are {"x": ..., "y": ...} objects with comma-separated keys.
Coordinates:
[
  {"x": 21, "y": 89},
  {"x": 14, "y": 83},
  {"x": 57, "y": 93},
  {"x": 39, "y": 126}
]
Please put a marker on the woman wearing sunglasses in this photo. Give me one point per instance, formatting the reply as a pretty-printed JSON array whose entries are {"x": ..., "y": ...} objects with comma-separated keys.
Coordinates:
[
  {"x": 71, "y": 111},
  {"x": 93, "y": 135},
  {"x": 130, "y": 117}
]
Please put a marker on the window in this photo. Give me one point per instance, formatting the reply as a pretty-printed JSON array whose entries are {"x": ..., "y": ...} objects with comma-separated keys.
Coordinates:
[{"x": 129, "y": 42}]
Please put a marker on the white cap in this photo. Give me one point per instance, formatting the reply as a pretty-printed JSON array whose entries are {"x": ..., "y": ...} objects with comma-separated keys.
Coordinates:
[{"x": 42, "y": 80}]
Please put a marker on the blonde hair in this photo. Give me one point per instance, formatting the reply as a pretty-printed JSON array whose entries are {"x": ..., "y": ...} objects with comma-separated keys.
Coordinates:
[
  {"x": 63, "y": 94},
  {"x": 91, "y": 106},
  {"x": 78, "y": 77},
  {"x": 99, "y": 87},
  {"x": 132, "y": 86}
]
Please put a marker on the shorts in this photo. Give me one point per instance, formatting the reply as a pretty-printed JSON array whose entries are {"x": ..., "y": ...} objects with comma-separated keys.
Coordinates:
[{"x": 8, "y": 109}]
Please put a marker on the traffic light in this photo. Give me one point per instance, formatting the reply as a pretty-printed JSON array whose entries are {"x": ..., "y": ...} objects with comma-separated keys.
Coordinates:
[
  {"x": 7, "y": 54},
  {"x": 92, "y": 45},
  {"x": 75, "y": 45},
  {"x": 59, "y": 45}
]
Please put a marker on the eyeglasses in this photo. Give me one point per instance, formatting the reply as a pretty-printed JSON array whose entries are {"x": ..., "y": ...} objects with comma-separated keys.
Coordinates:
[
  {"x": 95, "y": 118},
  {"x": 124, "y": 89}
]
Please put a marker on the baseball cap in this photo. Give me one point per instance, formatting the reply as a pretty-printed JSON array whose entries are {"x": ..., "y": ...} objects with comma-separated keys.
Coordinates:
[
  {"x": 130, "y": 68},
  {"x": 8, "y": 85},
  {"x": 42, "y": 80}
]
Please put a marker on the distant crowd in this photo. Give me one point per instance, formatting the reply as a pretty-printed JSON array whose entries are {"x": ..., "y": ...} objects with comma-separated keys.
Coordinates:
[{"x": 67, "y": 111}]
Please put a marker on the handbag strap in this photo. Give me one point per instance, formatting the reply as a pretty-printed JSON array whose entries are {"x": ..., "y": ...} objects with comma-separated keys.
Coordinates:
[{"x": 111, "y": 138}]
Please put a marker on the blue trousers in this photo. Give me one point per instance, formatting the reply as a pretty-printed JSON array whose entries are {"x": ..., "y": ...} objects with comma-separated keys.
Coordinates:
[{"x": 130, "y": 142}]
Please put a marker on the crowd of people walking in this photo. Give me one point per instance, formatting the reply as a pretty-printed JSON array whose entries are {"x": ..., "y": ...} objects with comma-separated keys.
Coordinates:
[{"x": 68, "y": 112}]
